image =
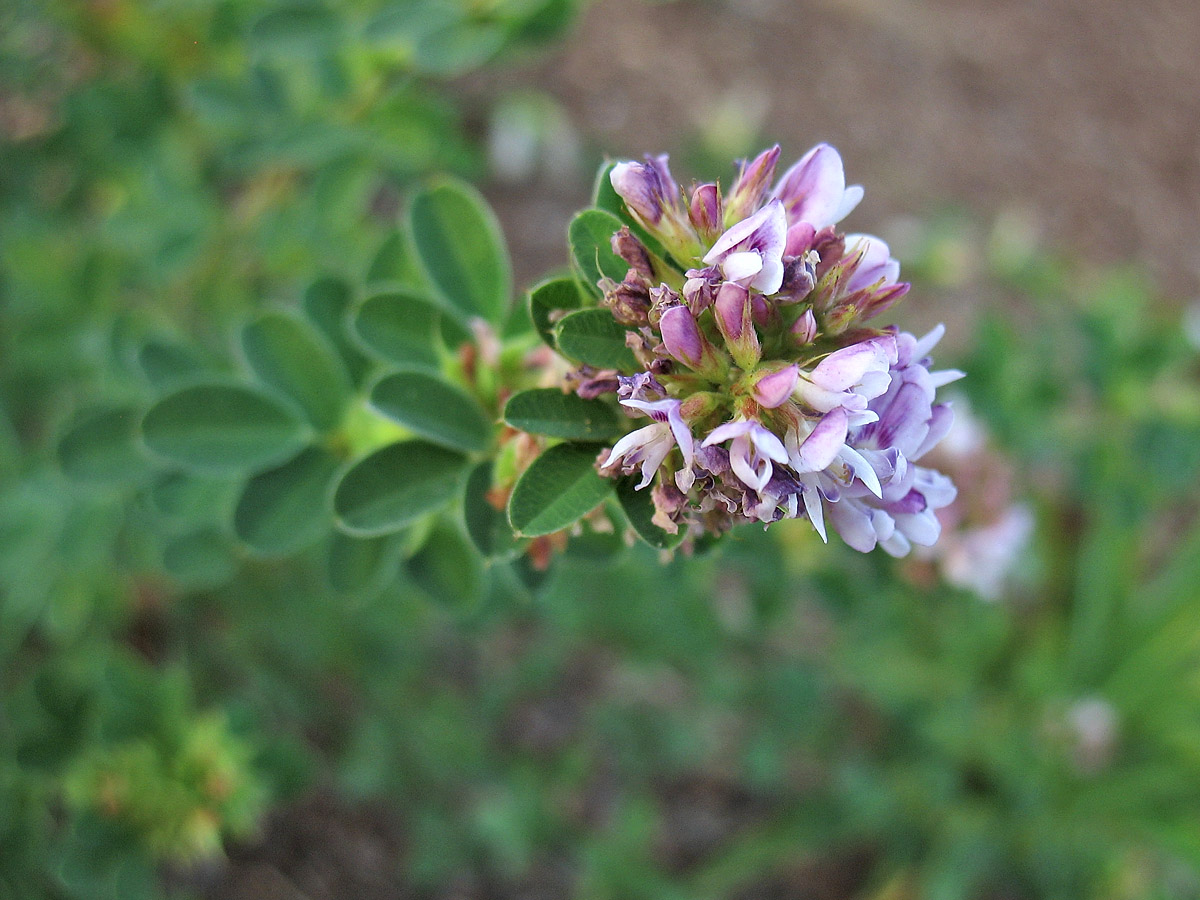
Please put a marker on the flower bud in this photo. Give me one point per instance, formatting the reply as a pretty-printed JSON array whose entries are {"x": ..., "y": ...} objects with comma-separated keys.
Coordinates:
[
  {"x": 805, "y": 328},
  {"x": 704, "y": 211},
  {"x": 734, "y": 313},
  {"x": 773, "y": 388},
  {"x": 751, "y": 184},
  {"x": 683, "y": 339},
  {"x": 647, "y": 188}
]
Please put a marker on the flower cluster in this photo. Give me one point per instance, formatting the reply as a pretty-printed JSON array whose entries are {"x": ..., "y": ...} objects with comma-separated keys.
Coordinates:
[{"x": 768, "y": 396}]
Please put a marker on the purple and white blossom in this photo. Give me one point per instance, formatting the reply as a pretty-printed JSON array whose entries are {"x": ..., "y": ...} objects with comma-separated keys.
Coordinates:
[
  {"x": 751, "y": 450},
  {"x": 814, "y": 189},
  {"x": 751, "y": 252},
  {"x": 647, "y": 448},
  {"x": 769, "y": 394}
]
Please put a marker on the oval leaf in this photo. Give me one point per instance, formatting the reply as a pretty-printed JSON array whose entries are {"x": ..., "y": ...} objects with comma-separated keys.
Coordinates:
[
  {"x": 639, "y": 509},
  {"x": 361, "y": 564},
  {"x": 392, "y": 261},
  {"x": 547, "y": 299},
  {"x": 223, "y": 429},
  {"x": 292, "y": 358},
  {"x": 594, "y": 337},
  {"x": 165, "y": 363},
  {"x": 296, "y": 28},
  {"x": 287, "y": 508},
  {"x": 549, "y": 411},
  {"x": 460, "y": 247},
  {"x": 400, "y": 327},
  {"x": 394, "y": 486},
  {"x": 590, "y": 235},
  {"x": 201, "y": 559},
  {"x": 448, "y": 568},
  {"x": 195, "y": 499},
  {"x": 560, "y": 486},
  {"x": 433, "y": 409},
  {"x": 102, "y": 448},
  {"x": 326, "y": 304},
  {"x": 487, "y": 526}
]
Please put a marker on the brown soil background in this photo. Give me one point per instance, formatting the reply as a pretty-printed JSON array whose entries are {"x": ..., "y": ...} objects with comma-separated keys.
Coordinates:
[{"x": 1083, "y": 118}]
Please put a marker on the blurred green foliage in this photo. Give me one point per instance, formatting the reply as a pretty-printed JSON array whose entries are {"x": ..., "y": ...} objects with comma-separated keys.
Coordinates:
[{"x": 215, "y": 338}]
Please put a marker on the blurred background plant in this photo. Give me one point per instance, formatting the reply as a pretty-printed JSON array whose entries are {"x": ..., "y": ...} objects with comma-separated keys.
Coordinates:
[{"x": 228, "y": 292}]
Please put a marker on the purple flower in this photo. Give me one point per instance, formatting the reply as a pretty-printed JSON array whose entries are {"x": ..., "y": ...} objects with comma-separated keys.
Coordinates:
[
  {"x": 647, "y": 447},
  {"x": 849, "y": 378},
  {"x": 751, "y": 185},
  {"x": 647, "y": 188},
  {"x": 751, "y": 252},
  {"x": 774, "y": 388},
  {"x": 814, "y": 189},
  {"x": 751, "y": 451},
  {"x": 820, "y": 417},
  {"x": 683, "y": 339},
  {"x": 874, "y": 262},
  {"x": 820, "y": 447},
  {"x": 733, "y": 310}
]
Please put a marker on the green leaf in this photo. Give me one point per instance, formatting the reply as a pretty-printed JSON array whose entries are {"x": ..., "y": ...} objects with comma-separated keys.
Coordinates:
[
  {"x": 461, "y": 249},
  {"x": 594, "y": 337},
  {"x": 288, "y": 355},
  {"x": 639, "y": 509},
  {"x": 201, "y": 559},
  {"x": 166, "y": 363},
  {"x": 287, "y": 508},
  {"x": 186, "y": 497},
  {"x": 560, "y": 486},
  {"x": 400, "y": 327},
  {"x": 551, "y": 412},
  {"x": 487, "y": 526},
  {"x": 434, "y": 409},
  {"x": 360, "y": 565},
  {"x": 590, "y": 236},
  {"x": 296, "y": 28},
  {"x": 549, "y": 297},
  {"x": 396, "y": 485},
  {"x": 326, "y": 303},
  {"x": 223, "y": 429},
  {"x": 448, "y": 567},
  {"x": 103, "y": 448},
  {"x": 392, "y": 261},
  {"x": 458, "y": 49}
]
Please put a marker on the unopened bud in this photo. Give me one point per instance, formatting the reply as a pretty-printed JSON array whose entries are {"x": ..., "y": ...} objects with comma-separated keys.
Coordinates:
[
  {"x": 805, "y": 328},
  {"x": 705, "y": 211},
  {"x": 735, "y": 319},
  {"x": 681, "y": 336}
]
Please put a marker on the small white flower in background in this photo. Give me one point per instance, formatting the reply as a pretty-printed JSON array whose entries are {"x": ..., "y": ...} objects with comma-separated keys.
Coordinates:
[{"x": 985, "y": 531}]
